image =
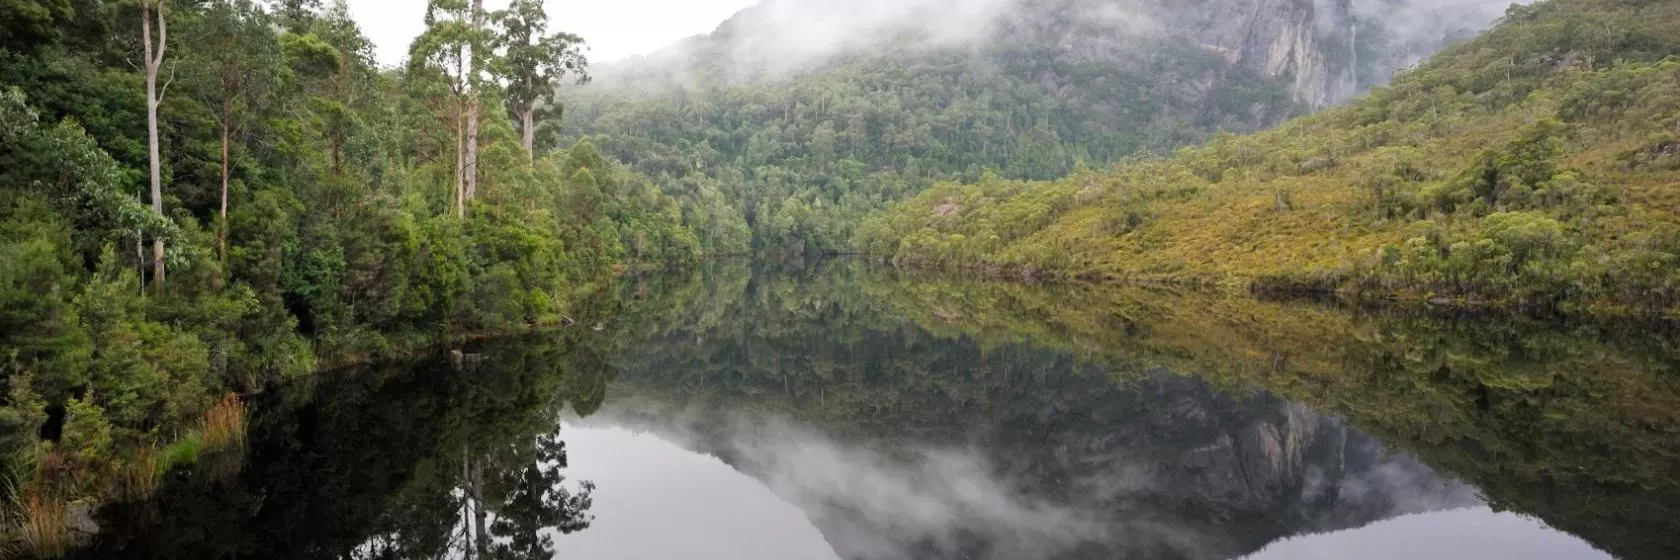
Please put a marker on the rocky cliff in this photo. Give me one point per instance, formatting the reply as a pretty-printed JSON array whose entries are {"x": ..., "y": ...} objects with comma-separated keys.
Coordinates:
[{"x": 1311, "y": 44}]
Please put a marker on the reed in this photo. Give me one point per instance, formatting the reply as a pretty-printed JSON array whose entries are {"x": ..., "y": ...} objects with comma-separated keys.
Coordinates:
[
  {"x": 141, "y": 474},
  {"x": 224, "y": 425},
  {"x": 45, "y": 530}
]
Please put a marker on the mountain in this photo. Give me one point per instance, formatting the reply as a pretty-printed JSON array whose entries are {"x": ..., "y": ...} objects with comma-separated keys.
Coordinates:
[
  {"x": 1534, "y": 165},
  {"x": 785, "y": 126}
]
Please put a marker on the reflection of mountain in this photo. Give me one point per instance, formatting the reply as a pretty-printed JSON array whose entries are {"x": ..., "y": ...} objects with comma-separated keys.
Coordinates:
[
  {"x": 1157, "y": 466},
  {"x": 954, "y": 417},
  {"x": 1577, "y": 423}
]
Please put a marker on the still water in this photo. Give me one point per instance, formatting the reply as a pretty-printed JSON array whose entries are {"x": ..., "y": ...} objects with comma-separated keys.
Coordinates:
[{"x": 832, "y": 411}]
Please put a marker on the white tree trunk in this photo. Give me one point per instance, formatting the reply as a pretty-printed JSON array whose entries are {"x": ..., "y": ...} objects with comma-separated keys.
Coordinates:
[
  {"x": 154, "y": 61},
  {"x": 528, "y": 124},
  {"x": 472, "y": 102},
  {"x": 460, "y": 166}
]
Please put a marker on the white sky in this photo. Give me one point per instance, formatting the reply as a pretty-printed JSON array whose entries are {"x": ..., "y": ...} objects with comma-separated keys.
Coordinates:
[{"x": 614, "y": 28}]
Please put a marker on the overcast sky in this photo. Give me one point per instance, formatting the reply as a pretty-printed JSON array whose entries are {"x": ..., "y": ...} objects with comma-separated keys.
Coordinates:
[{"x": 614, "y": 28}]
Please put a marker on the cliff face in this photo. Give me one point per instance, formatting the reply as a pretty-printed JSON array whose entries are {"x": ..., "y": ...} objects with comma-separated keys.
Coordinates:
[
  {"x": 1309, "y": 43},
  {"x": 1326, "y": 51},
  {"x": 1323, "y": 51}
]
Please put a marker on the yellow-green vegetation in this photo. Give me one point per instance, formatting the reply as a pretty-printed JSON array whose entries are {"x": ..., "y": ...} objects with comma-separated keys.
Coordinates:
[{"x": 1538, "y": 164}]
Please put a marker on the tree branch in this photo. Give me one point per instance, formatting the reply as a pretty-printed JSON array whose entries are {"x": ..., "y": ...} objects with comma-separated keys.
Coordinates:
[
  {"x": 163, "y": 31},
  {"x": 171, "y": 80}
]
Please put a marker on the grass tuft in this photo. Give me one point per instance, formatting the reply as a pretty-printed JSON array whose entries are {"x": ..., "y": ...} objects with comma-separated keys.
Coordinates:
[
  {"x": 224, "y": 425},
  {"x": 141, "y": 474},
  {"x": 45, "y": 530}
]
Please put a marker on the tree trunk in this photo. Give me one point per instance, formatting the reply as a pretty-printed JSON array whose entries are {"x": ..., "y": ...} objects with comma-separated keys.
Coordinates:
[
  {"x": 472, "y": 103},
  {"x": 528, "y": 120},
  {"x": 479, "y": 514},
  {"x": 466, "y": 502},
  {"x": 460, "y": 166},
  {"x": 460, "y": 135},
  {"x": 223, "y": 234},
  {"x": 472, "y": 147},
  {"x": 154, "y": 60}
]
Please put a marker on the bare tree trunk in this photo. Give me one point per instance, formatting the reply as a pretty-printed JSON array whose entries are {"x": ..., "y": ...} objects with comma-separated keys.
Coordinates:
[
  {"x": 154, "y": 60},
  {"x": 466, "y": 502},
  {"x": 472, "y": 147},
  {"x": 472, "y": 103},
  {"x": 479, "y": 514},
  {"x": 223, "y": 234},
  {"x": 460, "y": 140},
  {"x": 460, "y": 166},
  {"x": 528, "y": 124}
]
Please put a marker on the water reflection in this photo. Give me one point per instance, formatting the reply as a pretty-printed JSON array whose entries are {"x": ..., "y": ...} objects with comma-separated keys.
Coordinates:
[
  {"x": 439, "y": 457},
  {"x": 1461, "y": 534},
  {"x": 830, "y": 411},
  {"x": 657, "y": 500},
  {"x": 1161, "y": 469},
  {"x": 1073, "y": 404}
]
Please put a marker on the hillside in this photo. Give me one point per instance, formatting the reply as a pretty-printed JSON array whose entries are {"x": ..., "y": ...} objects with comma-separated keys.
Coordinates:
[
  {"x": 793, "y": 120},
  {"x": 1535, "y": 165}
]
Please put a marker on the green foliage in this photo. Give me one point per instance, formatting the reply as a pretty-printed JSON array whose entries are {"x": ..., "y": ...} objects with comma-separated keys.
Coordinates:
[
  {"x": 341, "y": 241},
  {"x": 1537, "y": 160},
  {"x": 799, "y": 158}
]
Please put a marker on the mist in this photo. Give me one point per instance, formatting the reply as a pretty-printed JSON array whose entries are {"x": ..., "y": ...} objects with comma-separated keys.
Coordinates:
[
  {"x": 777, "y": 38},
  {"x": 1417, "y": 20},
  {"x": 891, "y": 500}
]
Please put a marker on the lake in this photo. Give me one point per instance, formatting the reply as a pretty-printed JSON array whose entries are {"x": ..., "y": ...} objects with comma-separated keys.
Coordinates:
[{"x": 832, "y": 410}]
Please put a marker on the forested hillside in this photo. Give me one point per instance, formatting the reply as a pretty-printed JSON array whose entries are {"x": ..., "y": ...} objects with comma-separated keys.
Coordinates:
[
  {"x": 1534, "y": 165},
  {"x": 784, "y": 127},
  {"x": 199, "y": 198}
]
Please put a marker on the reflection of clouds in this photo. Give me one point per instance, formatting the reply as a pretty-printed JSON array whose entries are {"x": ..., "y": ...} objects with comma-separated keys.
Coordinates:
[
  {"x": 901, "y": 502},
  {"x": 1467, "y": 534},
  {"x": 656, "y": 501},
  {"x": 1405, "y": 486},
  {"x": 873, "y": 500},
  {"x": 895, "y": 503}
]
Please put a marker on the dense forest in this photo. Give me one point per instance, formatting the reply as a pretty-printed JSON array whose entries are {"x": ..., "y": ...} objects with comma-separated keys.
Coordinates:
[
  {"x": 1533, "y": 165},
  {"x": 205, "y": 198},
  {"x": 779, "y": 142}
]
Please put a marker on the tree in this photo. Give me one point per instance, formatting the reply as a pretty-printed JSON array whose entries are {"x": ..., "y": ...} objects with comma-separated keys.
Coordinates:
[
  {"x": 241, "y": 62},
  {"x": 453, "y": 34},
  {"x": 477, "y": 55},
  {"x": 533, "y": 65},
  {"x": 154, "y": 61}
]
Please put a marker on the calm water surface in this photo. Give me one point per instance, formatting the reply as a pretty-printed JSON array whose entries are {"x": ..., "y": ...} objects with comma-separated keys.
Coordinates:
[{"x": 832, "y": 411}]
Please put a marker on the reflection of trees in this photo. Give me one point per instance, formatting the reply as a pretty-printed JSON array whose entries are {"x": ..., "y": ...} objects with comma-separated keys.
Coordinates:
[
  {"x": 513, "y": 499},
  {"x": 394, "y": 461},
  {"x": 819, "y": 346},
  {"x": 534, "y": 502},
  {"x": 1572, "y": 421}
]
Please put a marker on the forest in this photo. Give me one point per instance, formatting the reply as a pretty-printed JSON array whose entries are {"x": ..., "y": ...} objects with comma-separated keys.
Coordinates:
[
  {"x": 203, "y": 199},
  {"x": 790, "y": 161},
  {"x": 1533, "y": 166}
]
